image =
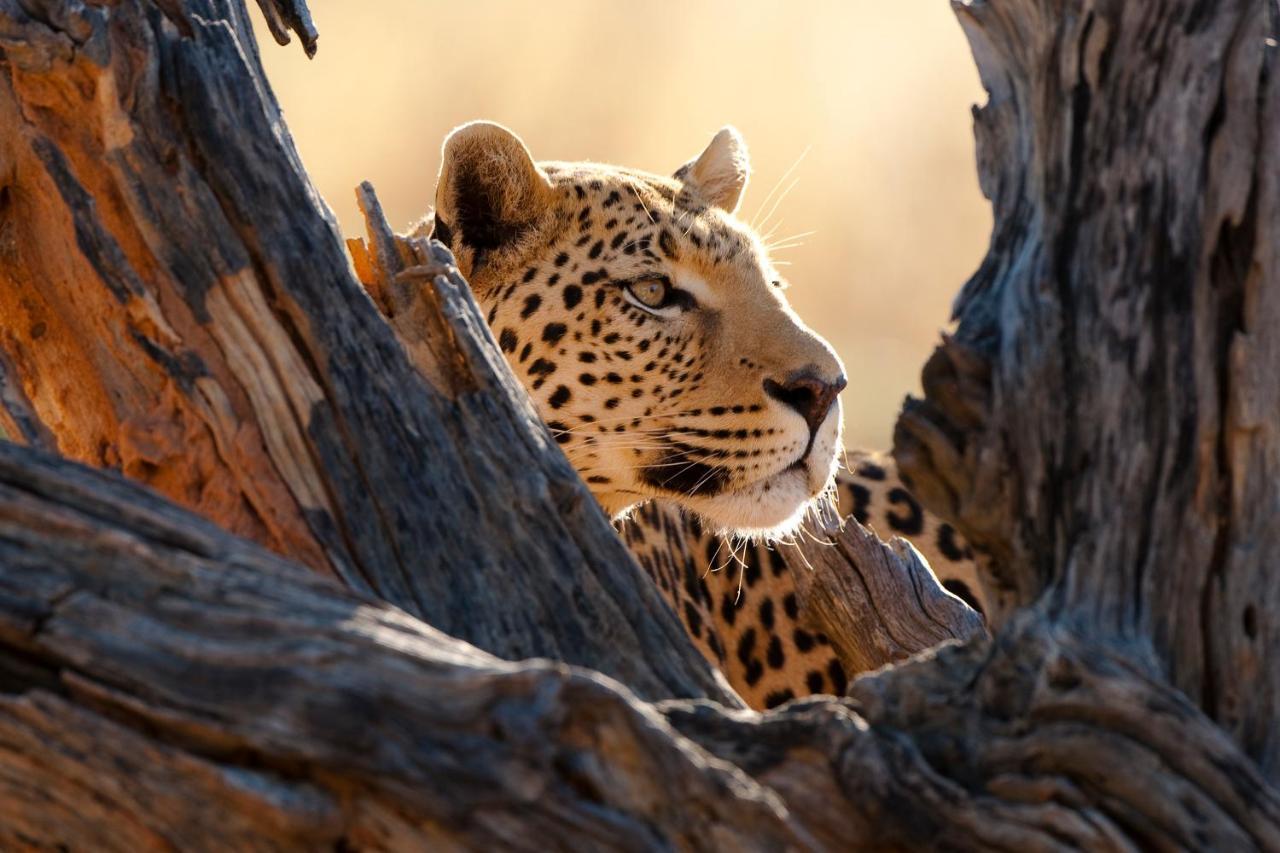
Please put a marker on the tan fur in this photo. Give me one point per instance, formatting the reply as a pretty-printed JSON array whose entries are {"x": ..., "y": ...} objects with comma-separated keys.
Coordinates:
[
  {"x": 716, "y": 400},
  {"x": 720, "y": 173}
]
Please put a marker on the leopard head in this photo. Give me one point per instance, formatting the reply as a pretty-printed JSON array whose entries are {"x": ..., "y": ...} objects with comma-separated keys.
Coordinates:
[{"x": 648, "y": 325}]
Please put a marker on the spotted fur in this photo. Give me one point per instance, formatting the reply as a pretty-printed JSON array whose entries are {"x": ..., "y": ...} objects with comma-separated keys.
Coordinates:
[
  {"x": 651, "y": 331},
  {"x": 738, "y": 601}
]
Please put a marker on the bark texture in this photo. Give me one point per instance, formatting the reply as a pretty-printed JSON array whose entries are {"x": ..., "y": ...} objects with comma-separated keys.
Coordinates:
[
  {"x": 877, "y": 601},
  {"x": 163, "y": 683},
  {"x": 1105, "y": 424},
  {"x": 178, "y": 308}
]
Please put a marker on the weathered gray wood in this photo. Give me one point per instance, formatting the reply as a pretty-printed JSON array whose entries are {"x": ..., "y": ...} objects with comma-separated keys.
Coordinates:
[
  {"x": 1042, "y": 741},
  {"x": 165, "y": 684},
  {"x": 285, "y": 15},
  {"x": 877, "y": 601},
  {"x": 1105, "y": 425},
  {"x": 179, "y": 306}
]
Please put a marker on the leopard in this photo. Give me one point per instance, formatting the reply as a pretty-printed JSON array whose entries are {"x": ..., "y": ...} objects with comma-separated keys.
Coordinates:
[{"x": 652, "y": 331}]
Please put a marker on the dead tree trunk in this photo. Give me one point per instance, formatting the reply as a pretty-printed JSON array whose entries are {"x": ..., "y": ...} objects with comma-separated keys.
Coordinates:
[
  {"x": 176, "y": 306},
  {"x": 1105, "y": 424}
]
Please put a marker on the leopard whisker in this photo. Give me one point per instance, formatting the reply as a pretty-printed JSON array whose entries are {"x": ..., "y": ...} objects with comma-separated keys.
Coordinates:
[
  {"x": 791, "y": 239},
  {"x": 681, "y": 463},
  {"x": 704, "y": 479},
  {"x": 742, "y": 575},
  {"x": 711, "y": 564},
  {"x": 781, "y": 198},
  {"x": 687, "y": 466},
  {"x": 634, "y": 186},
  {"x": 778, "y": 183},
  {"x": 594, "y": 451},
  {"x": 800, "y": 551}
]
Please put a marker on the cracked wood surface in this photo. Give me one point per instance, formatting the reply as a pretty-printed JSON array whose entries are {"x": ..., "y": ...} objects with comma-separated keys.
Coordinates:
[
  {"x": 1104, "y": 425},
  {"x": 165, "y": 684},
  {"x": 877, "y": 601}
]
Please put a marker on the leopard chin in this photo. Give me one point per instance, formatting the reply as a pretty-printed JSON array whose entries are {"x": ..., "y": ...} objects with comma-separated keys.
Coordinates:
[{"x": 773, "y": 507}]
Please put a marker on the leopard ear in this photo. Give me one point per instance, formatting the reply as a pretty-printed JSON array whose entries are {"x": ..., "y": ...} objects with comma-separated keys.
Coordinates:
[
  {"x": 719, "y": 174},
  {"x": 490, "y": 192}
]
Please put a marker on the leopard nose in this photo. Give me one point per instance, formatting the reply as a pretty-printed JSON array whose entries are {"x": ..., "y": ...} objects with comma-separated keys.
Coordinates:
[{"x": 807, "y": 394}]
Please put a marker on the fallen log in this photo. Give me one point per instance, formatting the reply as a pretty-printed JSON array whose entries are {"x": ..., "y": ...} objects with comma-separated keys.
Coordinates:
[{"x": 163, "y": 683}]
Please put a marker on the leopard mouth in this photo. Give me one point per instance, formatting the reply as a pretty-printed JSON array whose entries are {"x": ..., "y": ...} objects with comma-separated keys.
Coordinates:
[
  {"x": 676, "y": 470},
  {"x": 773, "y": 505},
  {"x": 808, "y": 469},
  {"x": 686, "y": 474},
  {"x": 685, "y": 470},
  {"x": 764, "y": 508}
]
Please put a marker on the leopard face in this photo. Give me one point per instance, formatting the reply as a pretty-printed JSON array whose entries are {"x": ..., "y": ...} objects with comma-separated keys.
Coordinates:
[{"x": 649, "y": 327}]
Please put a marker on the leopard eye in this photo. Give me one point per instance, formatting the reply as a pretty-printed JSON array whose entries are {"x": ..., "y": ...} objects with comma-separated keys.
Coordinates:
[{"x": 651, "y": 292}]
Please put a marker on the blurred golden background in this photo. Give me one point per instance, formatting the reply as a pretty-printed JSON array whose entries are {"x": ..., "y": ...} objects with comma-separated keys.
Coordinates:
[{"x": 877, "y": 93}]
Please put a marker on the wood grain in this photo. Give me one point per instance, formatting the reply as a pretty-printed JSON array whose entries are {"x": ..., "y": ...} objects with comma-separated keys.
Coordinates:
[
  {"x": 1103, "y": 425},
  {"x": 876, "y": 601},
  {"x": 166, "y": 685}
]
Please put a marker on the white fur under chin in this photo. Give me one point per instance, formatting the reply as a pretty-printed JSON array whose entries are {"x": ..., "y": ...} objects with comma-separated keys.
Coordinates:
[
  {"x": 756, "y": 514},
  {"x": 773, "y": 508}
]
